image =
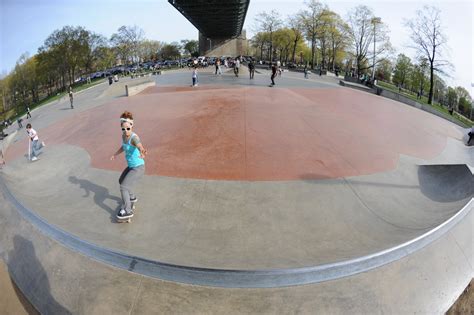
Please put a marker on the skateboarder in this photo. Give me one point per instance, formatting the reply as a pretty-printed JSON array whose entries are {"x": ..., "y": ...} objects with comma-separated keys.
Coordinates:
[
  {"x": 274, "y": 74},
  {"x": 28, "y": 114},
  {"x": 134, "y": 154},
  {"x": 251, "y": 68},
  {"x": 35, "y": 145},
  {"x": 471, "y": 135}
]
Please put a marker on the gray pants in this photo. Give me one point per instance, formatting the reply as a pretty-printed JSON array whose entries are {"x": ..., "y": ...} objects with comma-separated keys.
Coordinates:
[
  {"x": 127, "y": 180},
  {"x": 36, "y": 146}
]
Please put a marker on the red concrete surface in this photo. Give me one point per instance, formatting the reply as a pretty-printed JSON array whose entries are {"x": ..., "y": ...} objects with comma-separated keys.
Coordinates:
[{"x": 253, "y": 133}]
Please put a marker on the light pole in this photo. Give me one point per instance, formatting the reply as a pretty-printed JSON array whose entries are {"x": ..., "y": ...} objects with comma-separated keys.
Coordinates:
[{"x": 374, "y": 21}]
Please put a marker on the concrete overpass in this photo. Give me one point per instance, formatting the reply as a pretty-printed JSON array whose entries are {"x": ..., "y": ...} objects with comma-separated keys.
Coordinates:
[{"x": 219, "y": 23}]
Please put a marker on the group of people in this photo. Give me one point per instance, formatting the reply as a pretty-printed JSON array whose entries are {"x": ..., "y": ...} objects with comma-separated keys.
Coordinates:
[{"x": 276, "y": 70}]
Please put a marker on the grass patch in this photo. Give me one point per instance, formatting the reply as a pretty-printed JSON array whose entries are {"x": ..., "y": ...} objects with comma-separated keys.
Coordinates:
[{"x": 424, "y": 100}]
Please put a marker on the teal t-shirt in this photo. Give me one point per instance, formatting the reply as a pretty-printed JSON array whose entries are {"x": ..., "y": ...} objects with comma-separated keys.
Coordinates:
[{"x": 132, "y": 153}]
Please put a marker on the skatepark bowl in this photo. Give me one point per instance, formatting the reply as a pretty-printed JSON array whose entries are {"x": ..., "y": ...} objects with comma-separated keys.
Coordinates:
[{"x": 304, "y": 197}]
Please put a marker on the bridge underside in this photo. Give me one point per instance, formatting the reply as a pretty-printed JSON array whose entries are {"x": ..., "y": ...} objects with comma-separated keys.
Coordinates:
[{"x": 213, "y": 18}]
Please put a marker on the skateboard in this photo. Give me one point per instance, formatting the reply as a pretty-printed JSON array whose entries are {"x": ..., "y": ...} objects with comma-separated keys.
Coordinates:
[{"x": 128, "y": 220}]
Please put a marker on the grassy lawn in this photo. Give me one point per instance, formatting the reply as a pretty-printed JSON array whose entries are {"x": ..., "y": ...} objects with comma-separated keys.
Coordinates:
[
  {"x": 13, "y": 115},
  {"x": 424, "y": 100}
]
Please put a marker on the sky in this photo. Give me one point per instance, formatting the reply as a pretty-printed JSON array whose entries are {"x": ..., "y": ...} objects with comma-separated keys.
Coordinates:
[{"x": 25, "y": 24}]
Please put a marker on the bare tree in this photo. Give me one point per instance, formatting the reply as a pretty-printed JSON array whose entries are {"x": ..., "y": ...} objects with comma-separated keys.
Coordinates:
[
  {"x": 269, "y": 23},
  {"x": 429, "y": 40},
  {"x": 362, "y": 30},
  {"x": 127, "y": 40}
]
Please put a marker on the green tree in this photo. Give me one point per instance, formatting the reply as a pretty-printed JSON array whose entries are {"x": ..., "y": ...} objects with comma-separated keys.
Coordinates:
[
  {"x": 452, "y": 98},
  {"x": 325, "y": 32},
  {"x": 384, "y": 70},
  {"x": 464, "y": 101},
  {"x": 402, "y": 72},
  {"x": 259, "y": 42},
  {"x": 69, "y": 46},
  {"x": 283, "y": 39},
  {"x": 104, "y": 58},
  {"x": 311, "y": 21},
  {"x": 338, "y": 39},
  {"x": 97, "y": 45},
  {"x": 170, "y": 51},
  {"x": 296, "y": 26},
  {"x": 418, "y": 78},
  {"x": 190, "y": 47}
]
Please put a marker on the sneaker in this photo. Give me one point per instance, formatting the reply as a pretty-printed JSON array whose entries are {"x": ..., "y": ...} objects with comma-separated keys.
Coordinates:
[
  {"x": 123, "y": 214},
  {"x": 134, "y": 200},
  {"x": 43, "y": 144},
  {"x": 34, "y": 158}
]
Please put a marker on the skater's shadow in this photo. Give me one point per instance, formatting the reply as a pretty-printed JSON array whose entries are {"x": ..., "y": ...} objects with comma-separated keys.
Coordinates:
[
  {"x": 101, "y": 194},
  {"x": 28, "y": 273}
]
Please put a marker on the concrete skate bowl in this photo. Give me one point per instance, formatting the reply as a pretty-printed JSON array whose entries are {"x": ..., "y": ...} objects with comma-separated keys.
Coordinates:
[
  {"x": 280, "y": 218},
  {"x": 386, "y": 240}
]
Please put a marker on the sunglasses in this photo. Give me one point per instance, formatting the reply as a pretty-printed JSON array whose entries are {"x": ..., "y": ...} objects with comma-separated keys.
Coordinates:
[{"x": 123, "y": 129}]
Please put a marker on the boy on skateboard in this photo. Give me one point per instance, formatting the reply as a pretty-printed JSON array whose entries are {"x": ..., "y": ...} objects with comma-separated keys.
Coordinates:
[{"x": 134, "y": 154}]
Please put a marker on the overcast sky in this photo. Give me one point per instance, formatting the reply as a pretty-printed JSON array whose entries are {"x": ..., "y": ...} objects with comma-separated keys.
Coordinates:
[{"x": 25, "y": 24}]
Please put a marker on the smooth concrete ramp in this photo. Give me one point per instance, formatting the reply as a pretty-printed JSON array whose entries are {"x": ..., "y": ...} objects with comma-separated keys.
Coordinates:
[
  {"x": 289, "y": 228},
  {"x": 60, "y": 280},
  {"x": 271, "y": 239}
]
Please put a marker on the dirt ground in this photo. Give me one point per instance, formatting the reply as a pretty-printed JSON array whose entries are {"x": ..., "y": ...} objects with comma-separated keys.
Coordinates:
[{"x": 465, "y": 303}]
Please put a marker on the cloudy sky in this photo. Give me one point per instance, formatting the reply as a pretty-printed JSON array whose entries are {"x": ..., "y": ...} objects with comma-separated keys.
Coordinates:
[{"x": 25, "y": 24}]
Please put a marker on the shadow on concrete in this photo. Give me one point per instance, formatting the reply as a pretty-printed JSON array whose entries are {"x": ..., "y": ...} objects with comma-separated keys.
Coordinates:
[
  {"x": 100, "y": 195},
  {"x": 12, "y": 300},
  {"x": 28, "y": 273},
  {"x": 29, "y": 308},
  {"x": 446, "y": 183}
]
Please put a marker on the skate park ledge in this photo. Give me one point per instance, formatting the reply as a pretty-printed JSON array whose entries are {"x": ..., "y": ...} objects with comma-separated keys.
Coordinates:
[{"x": 134, "y": 90}]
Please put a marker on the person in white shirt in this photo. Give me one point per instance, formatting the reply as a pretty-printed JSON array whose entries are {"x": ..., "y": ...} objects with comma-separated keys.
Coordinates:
[
  {"x": 195, "y": 77},
  {"x": 237, "y": 67},
  {"x": 35, "y": 145}
]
